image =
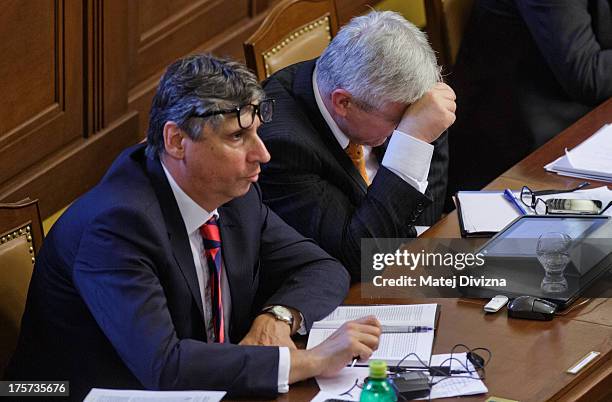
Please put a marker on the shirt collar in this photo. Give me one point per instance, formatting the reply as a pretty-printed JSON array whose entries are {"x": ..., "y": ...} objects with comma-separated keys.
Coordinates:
[
  {"x": 342, "y": 139},
  {"x": 193, "y": 215}
]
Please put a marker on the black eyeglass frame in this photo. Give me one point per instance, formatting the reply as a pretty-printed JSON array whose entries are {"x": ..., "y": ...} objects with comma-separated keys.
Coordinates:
[
  {"x": 526, "y": 191},
  {"x": 256, "y": 111}
]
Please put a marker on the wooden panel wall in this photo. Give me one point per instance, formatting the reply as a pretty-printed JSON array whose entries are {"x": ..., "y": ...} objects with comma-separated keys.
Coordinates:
[
  {"x": 58, "y": 136},
  {"x": 77, "y": 83},
  {"x": 162, "y": 31},
  {"x": 40, "y": 72}
]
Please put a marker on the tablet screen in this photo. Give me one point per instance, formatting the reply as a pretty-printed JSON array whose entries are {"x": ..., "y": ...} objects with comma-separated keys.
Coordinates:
[
  {"x": 520, "y": 238},
  {"x": 511, "y": 254}
]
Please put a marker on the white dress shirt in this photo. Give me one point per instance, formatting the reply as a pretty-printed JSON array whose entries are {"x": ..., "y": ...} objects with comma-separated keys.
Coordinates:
[
  {"x": 194, "y": 216},
  {"x": 406, "y": 156}
]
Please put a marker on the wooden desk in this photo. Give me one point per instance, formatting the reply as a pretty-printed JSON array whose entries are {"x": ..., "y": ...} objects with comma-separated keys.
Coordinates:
[
  {"x": 529, "y": 357},
  {"x": 538, "y": 354}
]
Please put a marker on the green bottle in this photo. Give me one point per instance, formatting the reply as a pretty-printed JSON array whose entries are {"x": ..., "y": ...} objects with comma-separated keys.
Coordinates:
[{"x": 378, "y": 388}]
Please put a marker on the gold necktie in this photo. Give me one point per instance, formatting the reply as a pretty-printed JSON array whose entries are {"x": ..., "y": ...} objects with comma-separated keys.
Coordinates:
[{"x": 355, "y": 152}]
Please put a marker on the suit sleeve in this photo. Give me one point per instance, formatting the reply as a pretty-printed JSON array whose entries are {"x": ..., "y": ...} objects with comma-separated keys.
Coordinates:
[
  {"x": 563, "y": 32},
  {"x": 296, "y": 272},
  {"x": 117, "y": 272},
  {"x": 438, "y": 180},
  {"x": 295, "y": 185}
]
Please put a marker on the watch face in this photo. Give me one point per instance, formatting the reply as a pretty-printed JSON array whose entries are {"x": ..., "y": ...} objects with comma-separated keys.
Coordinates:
[{"x": 282, "y": 313}]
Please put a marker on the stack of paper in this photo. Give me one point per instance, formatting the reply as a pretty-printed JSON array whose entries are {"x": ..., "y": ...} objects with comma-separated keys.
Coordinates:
[
  {"x": 406, "y": 329},
  {"x": 590, "y": 160},
  {"x": 484, "y": 213}
]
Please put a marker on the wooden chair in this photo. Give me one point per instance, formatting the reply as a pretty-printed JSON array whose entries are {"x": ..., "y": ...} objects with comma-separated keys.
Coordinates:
[
  {"x": 293, "y": 31},
  {"x": 21, "y": 236},
  {"x": 446, "y": 21}
]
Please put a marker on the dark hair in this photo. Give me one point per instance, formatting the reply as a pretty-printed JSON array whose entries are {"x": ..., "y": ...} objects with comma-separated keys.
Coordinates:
[{"x": 197, "y": 84}]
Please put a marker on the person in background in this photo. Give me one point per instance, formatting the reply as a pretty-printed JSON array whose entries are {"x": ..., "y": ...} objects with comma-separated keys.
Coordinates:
[
  {"x": 526, "y": 70},
  {"x": 358, "y": 148},
  {"x": 172, "y": 274}
]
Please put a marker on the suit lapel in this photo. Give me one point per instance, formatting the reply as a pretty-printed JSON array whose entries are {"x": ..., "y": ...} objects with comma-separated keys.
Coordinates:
[
  {"x": 302, "y": 88},
  {"x": 179, "y": 240},
  {"x": 237, "y": 269}
]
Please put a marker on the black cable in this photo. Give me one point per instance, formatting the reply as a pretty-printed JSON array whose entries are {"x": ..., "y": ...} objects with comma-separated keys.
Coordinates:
[{"x": 435, "y": 371}]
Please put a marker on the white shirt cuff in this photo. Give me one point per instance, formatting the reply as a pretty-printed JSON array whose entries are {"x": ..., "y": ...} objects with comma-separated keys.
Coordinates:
[
  {"x": 302, "y": 329},
  {"x": 284, "y": 363},
  {"x": 409, "y": 158}
]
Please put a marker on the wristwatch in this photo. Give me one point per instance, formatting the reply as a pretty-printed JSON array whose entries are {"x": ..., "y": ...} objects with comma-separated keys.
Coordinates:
[{"x": 281, "y": 313}]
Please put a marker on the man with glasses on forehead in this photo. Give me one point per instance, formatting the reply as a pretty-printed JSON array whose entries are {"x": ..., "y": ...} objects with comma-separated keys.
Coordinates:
[
  {"x": 357, "y": 148},
  {"x": 172, "y": 274}
]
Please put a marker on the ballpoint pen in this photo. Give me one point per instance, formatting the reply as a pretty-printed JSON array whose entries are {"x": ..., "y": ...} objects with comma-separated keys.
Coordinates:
[
  {"x": 387, "y": 329},
  {"x": 410, "y": 329},
  {"x": 510, "y": 197}
]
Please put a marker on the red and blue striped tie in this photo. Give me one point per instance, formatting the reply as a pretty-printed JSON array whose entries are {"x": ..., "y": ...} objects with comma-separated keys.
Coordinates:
[{"x": 212, "y": 250}]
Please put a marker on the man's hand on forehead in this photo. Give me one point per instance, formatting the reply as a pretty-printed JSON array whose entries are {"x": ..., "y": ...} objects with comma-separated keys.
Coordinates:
[{"x": 431, "y": 115}]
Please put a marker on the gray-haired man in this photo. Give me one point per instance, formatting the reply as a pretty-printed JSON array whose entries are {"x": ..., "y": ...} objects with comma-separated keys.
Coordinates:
[{"x": 351, "y": 147}]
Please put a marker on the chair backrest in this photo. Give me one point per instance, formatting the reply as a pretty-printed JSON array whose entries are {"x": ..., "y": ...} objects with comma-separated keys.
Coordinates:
[
  {"x": 446, "y": 21},
  {"x": 21, "y": 236},
  {"x": 293, "y": 31}
]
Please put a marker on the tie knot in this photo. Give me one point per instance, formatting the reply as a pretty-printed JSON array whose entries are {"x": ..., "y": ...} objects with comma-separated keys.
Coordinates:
[
  {"x": 210, "y": 232},
  {"x": 354, "y": 151}
]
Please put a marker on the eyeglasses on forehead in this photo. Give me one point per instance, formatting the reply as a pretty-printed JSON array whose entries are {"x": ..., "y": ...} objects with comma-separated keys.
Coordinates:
[{"x": 245, "y": 114}]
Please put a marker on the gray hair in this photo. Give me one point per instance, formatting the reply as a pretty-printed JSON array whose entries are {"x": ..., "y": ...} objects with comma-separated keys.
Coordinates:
[
  {"x": 194, "y": 85},
  {"x": 379, "y": 57}
]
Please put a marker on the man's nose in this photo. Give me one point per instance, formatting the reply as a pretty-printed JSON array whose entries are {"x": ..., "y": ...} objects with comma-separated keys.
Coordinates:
[{"x": 259, "y": 153}]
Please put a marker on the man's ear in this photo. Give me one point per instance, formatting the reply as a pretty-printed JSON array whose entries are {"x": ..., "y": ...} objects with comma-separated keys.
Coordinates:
[
  {"x": 341, "y": 101},
  {"x": 173, "y": 140}
]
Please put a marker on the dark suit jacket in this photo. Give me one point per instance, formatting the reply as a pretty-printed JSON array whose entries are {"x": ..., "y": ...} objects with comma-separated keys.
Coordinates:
[
  {"x": 114, "y": 299},
  {"x": 527, "y": 69},
  {"x": 313, "y": 185}
]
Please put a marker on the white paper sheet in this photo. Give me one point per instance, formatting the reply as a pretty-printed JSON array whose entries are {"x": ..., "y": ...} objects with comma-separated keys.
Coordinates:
[
  {"x": 595, "y": 153},
  {"x": 486, "y": 211},
  {"x": 323, "y": 396},
  {"x": 391, "y": 348},
  {"x": 343, "y": 381},
  {"x": 592, "y": 159},
  {"x": 124, "y": 395},
  {"x": 457, "y": 384}
]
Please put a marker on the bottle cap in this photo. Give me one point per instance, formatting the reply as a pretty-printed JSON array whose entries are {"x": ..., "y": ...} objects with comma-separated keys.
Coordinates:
[{"x": 378, "y": 369}]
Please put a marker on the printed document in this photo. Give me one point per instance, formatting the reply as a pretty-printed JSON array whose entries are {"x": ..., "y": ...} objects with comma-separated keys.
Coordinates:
[{"x": 398, "y": 340}]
